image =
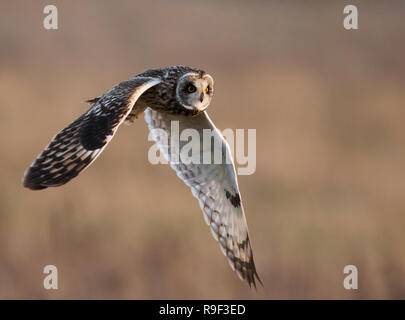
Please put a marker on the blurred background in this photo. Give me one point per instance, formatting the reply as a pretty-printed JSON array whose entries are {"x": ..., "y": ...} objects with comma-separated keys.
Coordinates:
[{"x": 328, "y": 106}]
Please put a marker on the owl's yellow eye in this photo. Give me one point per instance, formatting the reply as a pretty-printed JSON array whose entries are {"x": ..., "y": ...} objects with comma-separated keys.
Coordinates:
[
  {"x": 207, "y": 89},
  {"x": 191, "y": 88}
]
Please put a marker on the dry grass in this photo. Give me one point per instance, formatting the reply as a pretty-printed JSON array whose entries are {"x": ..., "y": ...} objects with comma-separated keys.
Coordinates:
[{"x": 328, "y": 106}]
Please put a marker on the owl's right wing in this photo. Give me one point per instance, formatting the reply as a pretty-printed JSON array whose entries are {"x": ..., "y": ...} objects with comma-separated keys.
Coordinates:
[
  {"x": 212, "y": 181},
  {"x": 78, "y": 145}
]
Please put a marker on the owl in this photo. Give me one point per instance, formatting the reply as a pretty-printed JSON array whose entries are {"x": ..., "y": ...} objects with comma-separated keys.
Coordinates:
[{"x": 176, "y": 93}]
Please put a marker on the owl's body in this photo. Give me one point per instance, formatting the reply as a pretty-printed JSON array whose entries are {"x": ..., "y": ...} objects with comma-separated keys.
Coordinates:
[{"x": 175, "y": 93}]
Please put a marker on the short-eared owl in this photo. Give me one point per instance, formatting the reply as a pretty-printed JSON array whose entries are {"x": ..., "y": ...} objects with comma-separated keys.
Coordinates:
[{"x": 175, "y": 93}]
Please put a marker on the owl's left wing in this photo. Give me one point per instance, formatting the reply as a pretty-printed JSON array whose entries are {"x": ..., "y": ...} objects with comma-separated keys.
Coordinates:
[
  {"x": 75, "y": 147},
  {"x": 213, "y": 183}
]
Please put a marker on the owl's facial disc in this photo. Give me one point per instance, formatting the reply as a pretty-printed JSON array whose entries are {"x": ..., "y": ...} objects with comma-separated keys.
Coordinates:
[{"x": 194, "y": 92}]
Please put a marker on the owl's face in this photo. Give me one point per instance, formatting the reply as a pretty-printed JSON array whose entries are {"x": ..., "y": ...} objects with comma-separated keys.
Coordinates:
[{"x": 194, "y": 91}]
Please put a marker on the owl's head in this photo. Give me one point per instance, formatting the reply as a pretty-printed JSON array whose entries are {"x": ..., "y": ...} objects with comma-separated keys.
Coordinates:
[{"x": 194, "y": 91}]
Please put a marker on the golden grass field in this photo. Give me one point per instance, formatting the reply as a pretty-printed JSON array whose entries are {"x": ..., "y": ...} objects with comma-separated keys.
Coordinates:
[{"x": 329, "y": 189}]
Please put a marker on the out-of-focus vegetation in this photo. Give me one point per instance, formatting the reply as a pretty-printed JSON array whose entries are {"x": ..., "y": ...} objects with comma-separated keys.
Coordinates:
[{"x": 328, "y": 106}]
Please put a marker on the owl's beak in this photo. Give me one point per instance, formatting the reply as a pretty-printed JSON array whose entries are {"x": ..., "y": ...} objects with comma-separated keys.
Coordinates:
[{"x": 201, "y": 97}]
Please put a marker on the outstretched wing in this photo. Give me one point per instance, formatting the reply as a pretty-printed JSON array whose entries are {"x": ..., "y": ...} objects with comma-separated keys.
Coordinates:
[
  {"x": 212, "y": 178},
  {"x": 78, "y": 145}
]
